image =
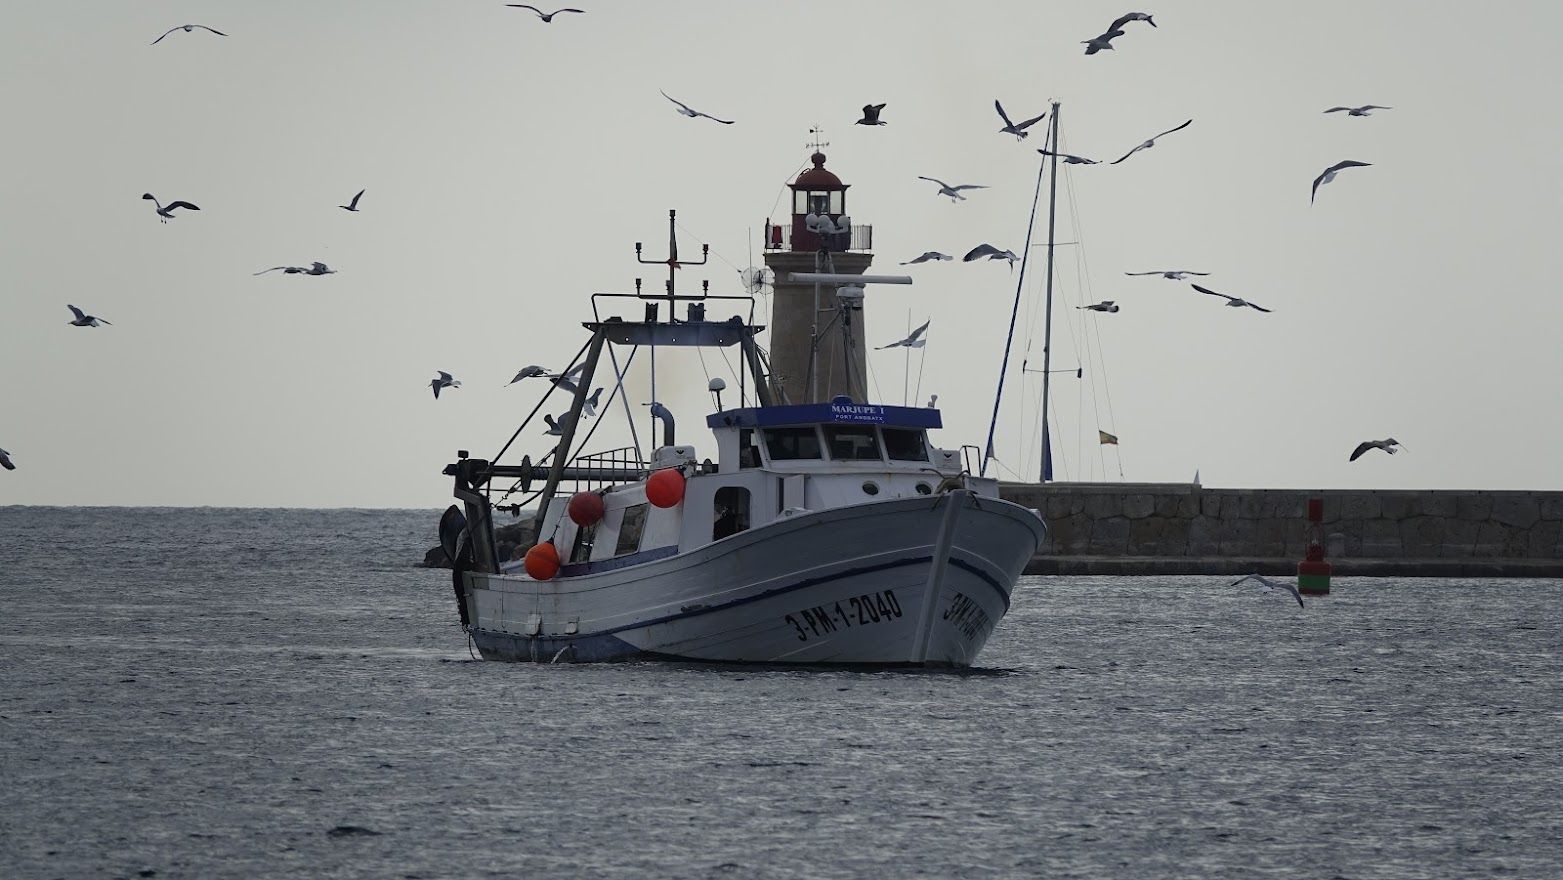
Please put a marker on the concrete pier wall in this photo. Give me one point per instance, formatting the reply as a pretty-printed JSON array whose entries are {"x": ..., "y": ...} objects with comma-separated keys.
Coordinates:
[{"x": 1122, "y": 527}]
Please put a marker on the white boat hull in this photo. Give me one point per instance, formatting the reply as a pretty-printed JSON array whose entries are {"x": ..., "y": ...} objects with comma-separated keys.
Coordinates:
[{"x": 912, "y": 581}]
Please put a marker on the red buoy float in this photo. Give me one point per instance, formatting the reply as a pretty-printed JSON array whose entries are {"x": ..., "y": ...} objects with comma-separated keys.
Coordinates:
[
  {"x": 665, "y": 488},
  {"x": 586, "y": 508},
  {"x": 542, "y": 561}
]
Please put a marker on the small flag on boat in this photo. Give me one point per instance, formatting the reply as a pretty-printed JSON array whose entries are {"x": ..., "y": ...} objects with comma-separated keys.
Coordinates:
[{"x": 1104, "y": 438}]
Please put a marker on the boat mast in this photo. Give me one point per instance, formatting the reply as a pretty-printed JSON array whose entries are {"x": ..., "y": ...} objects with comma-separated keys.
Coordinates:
[{"x": 1047, "y": 321}]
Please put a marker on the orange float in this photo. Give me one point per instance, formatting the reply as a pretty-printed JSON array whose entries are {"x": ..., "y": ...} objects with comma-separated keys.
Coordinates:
[
  {"x": 542, "y": 561},
  {"x": 665, "y": 488},
  {"x": 586, "y": 508}
]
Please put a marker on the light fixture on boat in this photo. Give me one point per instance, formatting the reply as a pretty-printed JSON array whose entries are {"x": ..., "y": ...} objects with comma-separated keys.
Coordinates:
[{"x": 717, "y": 386}]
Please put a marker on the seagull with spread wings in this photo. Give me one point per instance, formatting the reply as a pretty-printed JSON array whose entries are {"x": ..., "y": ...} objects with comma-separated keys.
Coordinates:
[
  {"x": 988, "y": 251},
  {"x": 590, "y": 404},
  {"x": 1329, "y": 175},
  {"x": 927, "y": 256},
  {"x": 84, "y": 320},
  {"x": 871, "y": 115},
  {"x": 187, "y": 28},
  {"x": 954, "y": 192},
  {"x": 528, "y": 372},
  {"x": 443, "y": 380},
  {"x": 566, "y": 381},
  {"x": 1070, "y": 158},
  {"x": 5, "y": 460},
  {"x": 915, "y": 340},
  {"x": 1268, "y": 586},
  {"x": 1105, "y": 305},
  {"x": 353, "y": 205},
  {"x": 1150, "y": 143},
  {"x": 1018, "y": 129},
  {"x": 545, "y": 16},
  {"x": 691, "y": 112},
  {"x": 1364, "y": 110},
  {"x": 1388, "y": 446},
  {"x": 316, "y": 268},
  {"x": 165, "y": 212},
  {"x": 1170, "y": 274},
  {"x": 1232, "y": 301}
]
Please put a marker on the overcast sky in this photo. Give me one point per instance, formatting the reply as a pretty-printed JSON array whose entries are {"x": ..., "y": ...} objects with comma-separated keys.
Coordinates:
[{"x": 511, "y": 166}]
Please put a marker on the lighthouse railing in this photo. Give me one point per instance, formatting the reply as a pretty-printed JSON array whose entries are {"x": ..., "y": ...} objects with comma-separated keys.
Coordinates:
[{"x": 781, "y": 237}]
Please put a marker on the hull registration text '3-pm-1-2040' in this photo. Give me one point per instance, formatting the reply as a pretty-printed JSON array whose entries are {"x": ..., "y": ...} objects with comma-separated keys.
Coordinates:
[{"x": 861, "y": 610}]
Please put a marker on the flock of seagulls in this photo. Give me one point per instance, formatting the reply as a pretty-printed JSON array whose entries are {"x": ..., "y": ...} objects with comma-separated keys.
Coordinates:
[{"x": 871, "y": 116}]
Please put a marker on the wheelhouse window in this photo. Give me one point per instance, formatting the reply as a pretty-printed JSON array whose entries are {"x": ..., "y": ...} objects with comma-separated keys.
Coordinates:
[
  {"x": 581, "y": 551},
  {"x": 748, "y": 449},
  {"x": 630, "y": 530},
  {"x": 790, "y": 444},
  {"x": 852, "y": 443},
  {"x": 905, "y": 444},
  {"x": 731, "y": 511}
]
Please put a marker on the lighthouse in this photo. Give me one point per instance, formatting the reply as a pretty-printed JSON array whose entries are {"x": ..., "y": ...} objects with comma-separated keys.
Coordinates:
[{"x": 817, "y": 349}]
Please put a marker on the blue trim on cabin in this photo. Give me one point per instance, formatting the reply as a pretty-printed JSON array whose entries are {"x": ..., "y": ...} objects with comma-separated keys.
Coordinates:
[
  {"x": 826, "y": 414},
  {"x": 572, "y": 569}
]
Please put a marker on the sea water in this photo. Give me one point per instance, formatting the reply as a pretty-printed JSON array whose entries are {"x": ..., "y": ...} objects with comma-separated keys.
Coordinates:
[{"x": 265, "y": 693}]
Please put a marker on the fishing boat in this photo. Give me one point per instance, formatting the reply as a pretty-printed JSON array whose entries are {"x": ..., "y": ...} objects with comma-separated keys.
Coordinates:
[{"x": 828, "y": 529}]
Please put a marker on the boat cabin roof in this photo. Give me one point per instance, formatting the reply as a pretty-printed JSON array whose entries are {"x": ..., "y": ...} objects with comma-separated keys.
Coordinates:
[{"x": 837, "y": 412}]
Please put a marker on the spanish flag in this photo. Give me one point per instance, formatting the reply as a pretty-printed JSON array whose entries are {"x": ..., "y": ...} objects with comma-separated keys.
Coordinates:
[{"x": 1105, "y": 438}]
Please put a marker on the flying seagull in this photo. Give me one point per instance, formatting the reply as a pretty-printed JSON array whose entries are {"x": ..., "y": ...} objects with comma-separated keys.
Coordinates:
[
  {"x": 1070, "y": 158},
  {"x": 915, "y": 340},
  {"x": 353, "y": 205},
  {"x": 1364, "y": 110},
  {"x": 1170, "y": 274},
  {"x": 1386, "y": 445},
  {"x": 954, "y": 192},
  {"x": 692, "y": 112},
  {"x": 444, "y": 380},
  {"x": 990, "y": 252},
  {"x": 1132, "y": 16},
  {"x": 5, "y": 460},
  {"x": 528, "y": 372},
  {"x": 165, "y": 212},
  {"x": 1101, "y": 41},
  {"x": 591, "y": 403},
  {"x": 1329, "y": 175},
  {"x": 83, "y": 319},
  {"x": 1268, "y": 586},
  {"x": 316, "y": 268},
  {"x": 187, "y": 28},
  {"x": 1151, "y": 143},
  {"x": 556, "y": 426},
  {"x": 1018, "y": 130},
  {"x": 871, "y": 115},
  {"x": 1231, "y": 300},
  {"x": 545, "y": 16},
  {"x": 927, "y": 256},
  {"x": 1105, "y": 305}
]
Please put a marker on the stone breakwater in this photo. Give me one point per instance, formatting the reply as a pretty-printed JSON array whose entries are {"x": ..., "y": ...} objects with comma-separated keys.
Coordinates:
[{"x": 1166, "y": 528}]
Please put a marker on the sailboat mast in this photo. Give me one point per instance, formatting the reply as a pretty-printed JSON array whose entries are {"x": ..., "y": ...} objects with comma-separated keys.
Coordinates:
[{"x": 1046, "y": 474}]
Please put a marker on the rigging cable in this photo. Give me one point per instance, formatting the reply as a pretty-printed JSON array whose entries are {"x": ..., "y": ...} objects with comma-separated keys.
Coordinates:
[
  {"x": 1084, "y": 269},
  {"x": 1009, "y": 338}
]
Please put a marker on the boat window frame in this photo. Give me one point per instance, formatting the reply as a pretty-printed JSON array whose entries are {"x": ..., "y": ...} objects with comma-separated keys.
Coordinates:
[
  {"x": 870, "y": 430},
  {"x": 636, "y": 526},
  {"x": 749, "y": 453},
  {"x": 919, "y": 433},
  {"x": 737, "y": 500},
  {"x": 793, "y": 430},
  {"x": 582, "y": 544}
]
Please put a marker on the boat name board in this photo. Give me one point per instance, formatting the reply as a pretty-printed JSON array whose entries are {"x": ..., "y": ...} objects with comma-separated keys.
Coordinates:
[
  {"x": 863, "y": 610},
  {"x": 826, "y": 413}
]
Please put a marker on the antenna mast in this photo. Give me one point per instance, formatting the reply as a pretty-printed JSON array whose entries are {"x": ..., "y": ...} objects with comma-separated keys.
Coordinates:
[{"x": 1047, "y": 324}]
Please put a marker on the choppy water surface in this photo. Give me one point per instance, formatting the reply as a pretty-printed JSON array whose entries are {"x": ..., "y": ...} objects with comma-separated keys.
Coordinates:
[{"x": 224, "y": 693}]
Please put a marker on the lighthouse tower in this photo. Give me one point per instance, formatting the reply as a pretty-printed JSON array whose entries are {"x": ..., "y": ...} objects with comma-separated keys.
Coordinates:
[{"x": 817, "y": 352}]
